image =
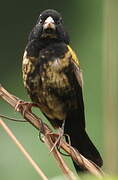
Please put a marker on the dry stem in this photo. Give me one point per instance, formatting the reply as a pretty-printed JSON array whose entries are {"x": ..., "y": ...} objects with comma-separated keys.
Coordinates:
[
  {"x": 50, "y": 138},
  {"x": 22, "y": 149}
]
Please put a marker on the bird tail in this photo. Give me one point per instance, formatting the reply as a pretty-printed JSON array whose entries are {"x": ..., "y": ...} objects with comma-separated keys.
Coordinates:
[{"x": 79, "y": 139}]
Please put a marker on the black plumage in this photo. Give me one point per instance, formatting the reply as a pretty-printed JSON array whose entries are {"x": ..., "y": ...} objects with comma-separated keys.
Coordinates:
[{"x": 53, "y": 79}]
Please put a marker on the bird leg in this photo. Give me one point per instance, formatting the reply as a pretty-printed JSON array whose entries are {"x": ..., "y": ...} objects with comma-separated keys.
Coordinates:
[{"x": 61, "y": 134}]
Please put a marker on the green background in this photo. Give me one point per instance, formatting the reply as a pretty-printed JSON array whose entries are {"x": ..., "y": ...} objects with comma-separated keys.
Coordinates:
[{"x": 84, "y": 21}]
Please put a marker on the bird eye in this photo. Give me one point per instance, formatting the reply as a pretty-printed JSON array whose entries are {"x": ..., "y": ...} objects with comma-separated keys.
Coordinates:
[
  {"x": 40, "y": 21},
  {"x": 59, "y": 21}
]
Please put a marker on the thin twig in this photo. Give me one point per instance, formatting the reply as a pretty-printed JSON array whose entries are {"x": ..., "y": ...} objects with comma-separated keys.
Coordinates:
[
  {"x": 67, "y": 172},
  {"x": 12, "y": 119},
  {"x": 22, "y": 149},
  {"x": 37, "y": 123}
]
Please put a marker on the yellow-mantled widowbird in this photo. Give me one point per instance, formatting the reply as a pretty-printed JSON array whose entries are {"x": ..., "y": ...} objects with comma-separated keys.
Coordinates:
[{"x": 53, "y": 79}]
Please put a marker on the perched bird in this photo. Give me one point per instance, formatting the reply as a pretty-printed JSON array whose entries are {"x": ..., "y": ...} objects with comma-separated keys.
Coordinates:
[{"x": 53, "y": 79}]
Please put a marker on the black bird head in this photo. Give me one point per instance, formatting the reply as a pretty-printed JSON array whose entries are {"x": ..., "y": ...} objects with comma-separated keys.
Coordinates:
[{"x": 49, "y": 26}]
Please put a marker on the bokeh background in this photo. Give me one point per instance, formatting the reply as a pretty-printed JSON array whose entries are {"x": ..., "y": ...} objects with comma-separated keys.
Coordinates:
[{"x": 93, "y": 27}]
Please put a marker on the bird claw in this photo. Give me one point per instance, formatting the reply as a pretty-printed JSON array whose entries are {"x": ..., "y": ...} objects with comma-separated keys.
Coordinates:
[
  {"x": 40, "y": 137},
  {"x": 57, "y": 142},
  {"x": 61, "y": 134},
  {"x": 18, "y": 105},
  {"x": 27, "y": 106}
]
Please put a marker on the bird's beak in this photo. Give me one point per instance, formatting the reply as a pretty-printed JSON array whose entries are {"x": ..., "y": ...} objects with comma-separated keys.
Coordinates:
[{"x": 49, "y": 23}]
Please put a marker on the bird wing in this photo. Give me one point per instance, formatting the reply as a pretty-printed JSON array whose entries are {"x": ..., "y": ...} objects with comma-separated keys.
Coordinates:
[
  {"x": 78, "y": 76},
  {"x": 76, "y": 67},
  {"x": 76, "y": 129}
]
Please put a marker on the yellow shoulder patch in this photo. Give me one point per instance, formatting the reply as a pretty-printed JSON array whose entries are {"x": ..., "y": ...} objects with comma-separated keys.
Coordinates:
[{"x": 74, "y": 57}]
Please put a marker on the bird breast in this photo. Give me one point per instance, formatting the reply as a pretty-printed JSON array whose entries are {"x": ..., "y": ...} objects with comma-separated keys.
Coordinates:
[{"x": 46, "y": 80}]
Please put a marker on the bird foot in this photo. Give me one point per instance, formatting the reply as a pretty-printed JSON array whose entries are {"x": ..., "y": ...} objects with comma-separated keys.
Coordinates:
[
  {"x": 24, "y": 106},
  {"x": 57, "y": 142}
]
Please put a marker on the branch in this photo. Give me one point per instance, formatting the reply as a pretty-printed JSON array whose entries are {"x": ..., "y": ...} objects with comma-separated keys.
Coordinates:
[
  {"x": 22, "y": 149},
  {"x": 50, "y": 138}
]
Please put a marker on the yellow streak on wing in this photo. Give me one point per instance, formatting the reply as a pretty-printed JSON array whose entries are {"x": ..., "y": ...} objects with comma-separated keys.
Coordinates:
[
  {"x": 77, "y": 70},
  {"x": 74, "y": 57}
]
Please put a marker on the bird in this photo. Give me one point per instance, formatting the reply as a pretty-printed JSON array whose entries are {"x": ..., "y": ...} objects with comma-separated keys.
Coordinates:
[{"x": 53, "y": 79}]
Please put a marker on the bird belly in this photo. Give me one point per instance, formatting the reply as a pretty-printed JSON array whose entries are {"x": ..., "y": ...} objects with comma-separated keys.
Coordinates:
[{"x": 47, "y": 86}]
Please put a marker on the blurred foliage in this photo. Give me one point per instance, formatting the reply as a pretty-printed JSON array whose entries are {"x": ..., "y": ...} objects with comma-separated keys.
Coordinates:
[
  {"x": 88, "y": 177},
  {"x": 95, "y": 178},
  {"x": 84, "y": 22}
]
